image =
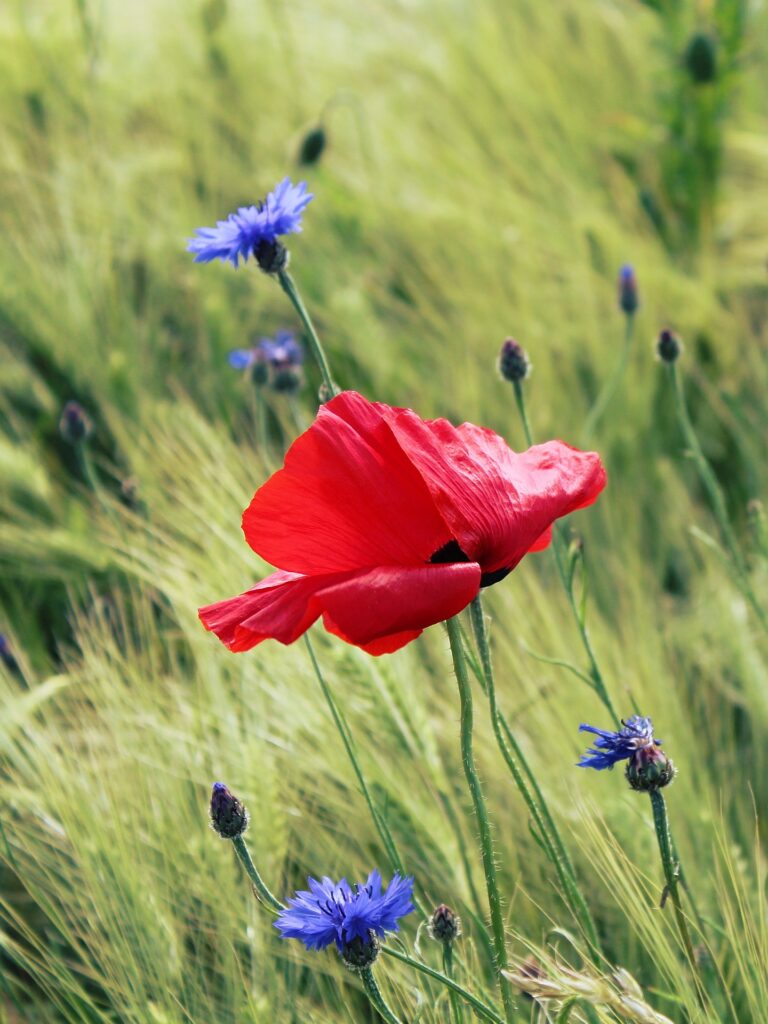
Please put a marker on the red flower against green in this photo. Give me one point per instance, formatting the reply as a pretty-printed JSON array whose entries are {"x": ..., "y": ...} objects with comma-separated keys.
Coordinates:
[{"x": 384, "y": 523}]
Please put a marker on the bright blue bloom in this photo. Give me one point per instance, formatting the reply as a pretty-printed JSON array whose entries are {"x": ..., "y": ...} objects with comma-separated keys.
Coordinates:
[
  {"x": 610, "y": 747},
  {"x": 250, "y": 226},
  {"x": 280, "y": 352},
  {"x": 331, "y": 912}
]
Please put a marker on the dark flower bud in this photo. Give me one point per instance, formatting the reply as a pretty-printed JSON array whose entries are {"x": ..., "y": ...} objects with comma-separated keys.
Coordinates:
[
  {"x": 628, "y": 298},
  {"x": 229, "y": 818},
  {"x": 360, "y": 953},
  {"x": 312, "y": 146},
  {"x": 649, "y": 769},
  {"x": 75, "y": 425},
  {"x": 444, "y": 925},
  {"x": 286, "y": 380},
  {"x": 701, "y": 58},
  {"x": 668, "y": 346},
  {"x": 271, "y": 255},
  {"x": 514, "y": 364},
  {"x": 259, "y": 372}
]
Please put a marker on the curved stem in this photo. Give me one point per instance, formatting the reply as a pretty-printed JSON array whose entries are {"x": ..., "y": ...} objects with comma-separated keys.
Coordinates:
[
  {"x": 289, "y": 287},
  {"x": 482, "y": 1010},
  {"x": 260, "y": 889},
  {"x": 527, "y": 783},
  {"x": 604, "y": 398},
  {"x": 373, "y": 992},
  {"x": 346, "y": 737},
  {"x": 714, "y": 493},
  {"x": 457, "y": 1013},
  {"x": 481, "y": 813}
]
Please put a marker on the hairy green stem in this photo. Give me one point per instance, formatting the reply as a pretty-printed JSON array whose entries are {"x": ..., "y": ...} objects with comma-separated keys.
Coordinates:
[
  {"x": 481, "y": 813},
  {"x": 262, "y": 893},
  {"x": 373, "y": 992},
  {"x": 480, "y": 1008},
  {"x": 457, "y": 1012},
  {"x": 604, "y": 398},
  {"x": 527, "y": 783},
  {"x": 672, "y": 874},
  {"x": 289, "y": 287},
  {"x": 715, "y": 495}
]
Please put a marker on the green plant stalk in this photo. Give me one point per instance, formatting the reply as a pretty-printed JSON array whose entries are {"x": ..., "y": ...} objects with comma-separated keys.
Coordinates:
[
  {"x": 262, "y": 893},
  {"x": 289, "y": 287},
  {"x": 481, "y": 813},
  {"x": 373, "y": 992},
  {"x": 480, "y": 1008},
  {"x": 457, "y": 1012},
  {"x": 672, "y": 874},
  {"x": 527, "y": 783},
  {"x": 714, "y": 493},
  {"x": 346, "y": 737},
  {"x": 598, "y": 683},
  {"x": 613, "y": 382}
]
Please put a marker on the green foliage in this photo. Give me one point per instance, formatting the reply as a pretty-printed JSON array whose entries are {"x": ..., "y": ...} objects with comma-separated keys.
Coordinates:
[{"x": 483, "y": 177}]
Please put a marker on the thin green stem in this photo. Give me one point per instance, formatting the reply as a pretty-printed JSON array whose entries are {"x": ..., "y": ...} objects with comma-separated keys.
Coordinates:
[
  {"x": 482, "y": 1010},
  {"x": 714, "y": 493},
  {"x": 373, "y": 992},
  {"x": 672, "y": 875},
  {"x": 346, "y": 737},
  {"x": 527, "y": 783},
  {"x": 457, "y": 1012},
  {"x": 612, "y": 384},
  {"x": 289, "y": 287},
  {"x": 598, "y": 683},
  {"x": 481, "y": 813},
  {"x": 262, "y": 893}
]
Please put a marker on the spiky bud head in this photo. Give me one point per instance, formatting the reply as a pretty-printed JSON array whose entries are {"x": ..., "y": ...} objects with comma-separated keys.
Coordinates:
[
  {"x": 229, "y": 818},
  {"x": 649, "y": 769},
  {"x": 75, "y": 424},
  {"x": 668, "y": 346},
  {"x": 513, "y": 363},
  {"x": 444, "y": 925},
  {"x": 361, "y": 953}
]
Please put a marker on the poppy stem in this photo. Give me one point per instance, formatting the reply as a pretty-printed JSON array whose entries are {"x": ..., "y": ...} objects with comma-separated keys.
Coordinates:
[
  {"x": 481, "y": 1010},
  {"x": 260, "y": 890},
  {"x": 526, "y": 782},
  {"x": 373, "y": 992},
  {"x": 382, "y": 828},
  {"x": 481, "y": 813},
  {"x": 603, "y": 400},
  {"x": 715, "y": 494},
  {"x": 289, "y": 287},
  {"x": 598, "y": 683}
]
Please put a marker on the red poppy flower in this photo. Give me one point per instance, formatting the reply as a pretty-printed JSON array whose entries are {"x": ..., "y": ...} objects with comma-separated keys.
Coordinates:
[{"x": 384, "y": 524}]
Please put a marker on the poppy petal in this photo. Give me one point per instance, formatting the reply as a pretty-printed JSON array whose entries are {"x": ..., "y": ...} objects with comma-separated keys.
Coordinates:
[
  {"x": 385, "y": 608},
  {"x": 347, "y": 498},
  {"x": 497, "y": 503}
]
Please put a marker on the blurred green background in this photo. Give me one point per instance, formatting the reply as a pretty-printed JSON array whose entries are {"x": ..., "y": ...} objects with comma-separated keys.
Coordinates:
[{"x": 488, "y": 167}]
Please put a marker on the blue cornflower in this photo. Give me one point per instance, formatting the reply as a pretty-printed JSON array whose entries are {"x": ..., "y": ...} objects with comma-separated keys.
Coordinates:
[
  {"x": 280, "y": 352},
  {"x": 610, "y": 747},
  {"x": 350, "y": 917},
  {"x": 254, "y": 230},
  {"x": 648, "y": 767}
]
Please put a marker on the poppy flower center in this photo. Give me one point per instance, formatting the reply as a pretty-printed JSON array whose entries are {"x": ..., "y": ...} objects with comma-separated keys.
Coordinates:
[{"x": 452, "y": 552}]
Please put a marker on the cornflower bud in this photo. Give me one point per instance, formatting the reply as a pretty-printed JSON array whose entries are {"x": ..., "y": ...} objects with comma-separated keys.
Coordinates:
[
  {"x": 628, "y": 298},
  {"x": 229, "y": 818},
  {"x": 312, "y": 146},
  {"x": 444, "y": 925},
  {"x": 668, "y": 346},
  {"x": 75, "y": 425},
  {"x": 513, "y": 363},
  {"x": 701, "y": 58}
]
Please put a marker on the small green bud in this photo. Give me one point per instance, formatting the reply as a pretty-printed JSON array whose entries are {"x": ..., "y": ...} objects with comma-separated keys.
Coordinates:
[
  {"x": 668, "y": 346},
  {"x": 649, "y": 769},
  {"x": 444, "y": 925},
  {"x": 701, "y": 58},
  {"x": 513, "y": 362},
  {"x": 312, "y": 146}
]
